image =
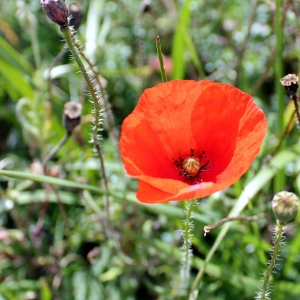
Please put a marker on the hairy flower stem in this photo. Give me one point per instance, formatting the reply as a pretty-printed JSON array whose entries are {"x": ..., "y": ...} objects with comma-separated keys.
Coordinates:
[
  {"x": 68, "y": 37},
  {"x": 109, "y": 118},
  {"x": 187, "y": 242},
  {"x": 264, "y": 292},
  {"x": 161, "y": 61}
]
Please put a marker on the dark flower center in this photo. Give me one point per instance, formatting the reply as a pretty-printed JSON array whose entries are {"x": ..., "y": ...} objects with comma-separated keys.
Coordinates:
[{"x": 191, "y": 167}]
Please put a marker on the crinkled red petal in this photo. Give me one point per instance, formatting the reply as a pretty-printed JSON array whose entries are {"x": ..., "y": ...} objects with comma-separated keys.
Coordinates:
[{"x": 175, "y": 117}]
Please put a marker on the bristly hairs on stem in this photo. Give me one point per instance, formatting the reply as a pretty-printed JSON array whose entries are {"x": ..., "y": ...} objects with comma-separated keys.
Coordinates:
[
  {"x": 265, "y": 290},
  {"x": 187, "y": 235},
  {"x": 68, "y": 33},
  {"x": 285, "y": 208},
  {"x": 101, "y": 94}
]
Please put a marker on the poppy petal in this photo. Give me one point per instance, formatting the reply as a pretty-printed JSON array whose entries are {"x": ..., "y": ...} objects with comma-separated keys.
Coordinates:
[
  {"x": 150, "y": 194},
  {"x": 172, "y": 121}
]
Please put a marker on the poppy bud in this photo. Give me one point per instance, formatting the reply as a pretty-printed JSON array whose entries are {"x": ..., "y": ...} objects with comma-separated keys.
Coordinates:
[
  {"x": 56, "y": 11},
  {"x": 285, "y": 206},
  {"x": 72, "y": 115},
  {"x": 290, "y": 82},
  {"x": 75, "y": 11}
]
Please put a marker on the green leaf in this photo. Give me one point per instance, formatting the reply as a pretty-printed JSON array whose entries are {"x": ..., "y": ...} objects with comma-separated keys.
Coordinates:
[
  {"x": 15, "y": 79},
  {"x": 179, "y": 41},
  {"x": 13, "y": 58}
]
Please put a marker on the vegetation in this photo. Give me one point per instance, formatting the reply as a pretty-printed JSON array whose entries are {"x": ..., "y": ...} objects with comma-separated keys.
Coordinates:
[{"x": 68, "y": 230}]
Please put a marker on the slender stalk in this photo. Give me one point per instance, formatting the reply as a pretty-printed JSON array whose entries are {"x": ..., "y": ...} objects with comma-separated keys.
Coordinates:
[
  {"x": 283, "y": 136},
  {"x": 187, "y": 242},
  {"x": 161, "y": 61},
  {"x": 280, "y": 177},
  {"x": 55, "y": 149},
  {"x": 279, "y": 66},
  {"x": 210, "y": 227},
  {"x": 56, "y": 60},
  {"x": 70, "y": 42},
  {"x": 194, "y": 291},
  {"x": 265, "y": 290},
  {"x": 295, "y": 100},
  {"x": 110, "y": 122}
]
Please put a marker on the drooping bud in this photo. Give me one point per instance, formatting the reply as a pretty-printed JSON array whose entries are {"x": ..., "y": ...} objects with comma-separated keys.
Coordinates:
[
  {"x": 72, "y": 115},
  {"x": 285, "y": 206},
  {"x": 56, "y": 11},
  {"x": 75, "y": 10},
  {"x": 290, "y": 83}
]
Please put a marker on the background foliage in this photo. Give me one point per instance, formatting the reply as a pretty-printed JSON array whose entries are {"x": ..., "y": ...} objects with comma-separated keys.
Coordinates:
[{"x": 52, "y": 241}]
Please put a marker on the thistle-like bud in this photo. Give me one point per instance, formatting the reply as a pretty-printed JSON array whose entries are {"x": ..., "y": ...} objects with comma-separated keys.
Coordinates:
[
  {"x": 72, "y": 115},
  {"x": 285, "y": 206},
  {"x": 290, "y": 83},
  {"x": 56, "y": 11},
  {"x": 75, "y": 10}
]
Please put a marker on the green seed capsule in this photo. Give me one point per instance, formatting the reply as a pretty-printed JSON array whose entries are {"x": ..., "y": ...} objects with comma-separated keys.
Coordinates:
[{"x": 285, "y": 206}]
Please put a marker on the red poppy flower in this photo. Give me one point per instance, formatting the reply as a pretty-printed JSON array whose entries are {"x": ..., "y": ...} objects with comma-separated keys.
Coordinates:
[{"x": 188, "y": 139}]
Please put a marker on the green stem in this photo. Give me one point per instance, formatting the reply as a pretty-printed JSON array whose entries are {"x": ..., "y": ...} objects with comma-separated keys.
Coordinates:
[
  {"x": 110, "y": 122},
  {"x": 55, "y": 149},
  {"x": 280, "y": 178},
  {"x": 194, "y": 291},
  {"x": 69, "y": 40},
  {"x": 295, "y": 100},
  {"x": 279, "y": 66},
  {"x": 161, "y": 61},
  {"x": 265, "y": 288},
  {"x": 187, "y": 241}
]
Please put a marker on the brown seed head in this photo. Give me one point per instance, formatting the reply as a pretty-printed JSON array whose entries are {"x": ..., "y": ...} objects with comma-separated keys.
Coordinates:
[
  {"x": 56, "y": 11},
  {"x": 290, "y": 83},
  {"x": 285, "y": 206},
  {"x": 72, "y": 115},
  {"x": 289, "y": 80}
]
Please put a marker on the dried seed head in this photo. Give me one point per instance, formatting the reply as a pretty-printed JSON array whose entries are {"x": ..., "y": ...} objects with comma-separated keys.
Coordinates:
[
  {"x": 290, "y": 82},
  {"x": 56, "y": 11},
  {"x": 285, "y": 206},
  {"x": 72, "y": 115},
  {"x": 75, "y": 10}
]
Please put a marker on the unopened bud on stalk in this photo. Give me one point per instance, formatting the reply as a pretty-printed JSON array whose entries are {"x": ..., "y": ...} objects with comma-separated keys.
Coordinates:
[
  {"x": 285, "y": 206},
  {"x": 72, "y": 115},
  {"x": 290, "y": 83},
  {"x": 75, "y": 10},
  {"x": 56, "y": 11}
]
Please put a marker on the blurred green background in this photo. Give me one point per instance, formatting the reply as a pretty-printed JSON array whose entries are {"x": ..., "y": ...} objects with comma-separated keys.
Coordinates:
[{"x": 53, "y": 244}]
